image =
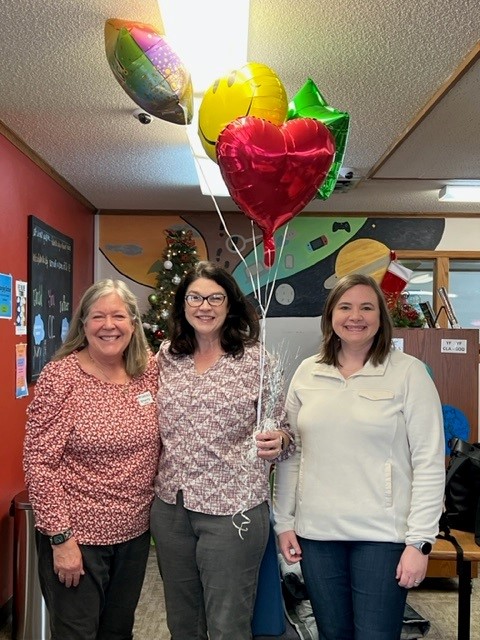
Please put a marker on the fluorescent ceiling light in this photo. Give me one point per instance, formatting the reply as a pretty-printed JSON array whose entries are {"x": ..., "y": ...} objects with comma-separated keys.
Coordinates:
[
  {"x": 209, "y": 36},
  {"x": 211, "y": 39},
  {"x": 208, "y": 171},
  {"x": 459, "y": 193}
]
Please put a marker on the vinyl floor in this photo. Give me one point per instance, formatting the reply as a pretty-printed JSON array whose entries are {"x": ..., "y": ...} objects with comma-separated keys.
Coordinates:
[{"x": 436, "y": 600}]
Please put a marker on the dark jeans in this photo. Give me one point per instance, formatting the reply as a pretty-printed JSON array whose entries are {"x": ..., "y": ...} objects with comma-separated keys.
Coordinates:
[
  {"x": 209, "y": 573},
  {"x": 353, "y": 589},
  {"x": 102, "y": 606}
]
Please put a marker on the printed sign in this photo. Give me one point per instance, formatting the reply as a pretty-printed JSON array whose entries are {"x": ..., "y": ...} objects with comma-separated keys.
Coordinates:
[{"x": 453, "y": 346}]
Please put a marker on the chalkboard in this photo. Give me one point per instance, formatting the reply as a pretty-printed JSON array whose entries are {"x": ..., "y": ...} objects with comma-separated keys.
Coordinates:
[{"x": 50, "y": 266}]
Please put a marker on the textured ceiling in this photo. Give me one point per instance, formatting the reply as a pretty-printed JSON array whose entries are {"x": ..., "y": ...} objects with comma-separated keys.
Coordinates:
[{"x": 389, "y": 63}]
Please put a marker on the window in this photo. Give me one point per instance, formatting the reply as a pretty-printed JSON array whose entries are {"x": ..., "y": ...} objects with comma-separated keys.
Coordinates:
[
  {"x": 464, "y": 292},
  {"x": 458, "y": 272},
  {"x": 420, "y": 287}
]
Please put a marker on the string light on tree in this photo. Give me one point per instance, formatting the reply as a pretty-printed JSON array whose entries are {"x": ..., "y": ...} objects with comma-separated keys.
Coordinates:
[{"x": 179, "y": 255}]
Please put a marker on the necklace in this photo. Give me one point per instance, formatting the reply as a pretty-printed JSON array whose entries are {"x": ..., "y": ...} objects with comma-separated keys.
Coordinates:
[{"x": 124, "y": 385}]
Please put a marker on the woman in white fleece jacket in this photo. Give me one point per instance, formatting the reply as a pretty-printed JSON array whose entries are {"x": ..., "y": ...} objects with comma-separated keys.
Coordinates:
[{"x": 359, "y": 502}]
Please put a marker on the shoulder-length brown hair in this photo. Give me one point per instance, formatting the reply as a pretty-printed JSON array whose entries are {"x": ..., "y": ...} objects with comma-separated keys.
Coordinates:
[
  {"x": 241, "y": 326},
  {"x": 136, "y": 353},
  {"x": 382, "y": 342}
]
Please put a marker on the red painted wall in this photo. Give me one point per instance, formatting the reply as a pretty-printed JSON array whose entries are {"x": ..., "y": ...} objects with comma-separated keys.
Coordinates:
[{"x": 27, "y": 190}]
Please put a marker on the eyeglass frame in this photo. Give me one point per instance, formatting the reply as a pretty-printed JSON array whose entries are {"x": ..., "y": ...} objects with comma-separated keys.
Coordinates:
[{"x": 197, "y": 295}]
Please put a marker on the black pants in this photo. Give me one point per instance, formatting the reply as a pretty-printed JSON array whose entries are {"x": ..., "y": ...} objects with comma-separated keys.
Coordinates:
[{"x": 102, "y": 606}]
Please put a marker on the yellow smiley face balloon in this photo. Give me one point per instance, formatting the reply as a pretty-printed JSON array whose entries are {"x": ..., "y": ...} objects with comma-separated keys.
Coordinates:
[{"x": 253, "y": 90}]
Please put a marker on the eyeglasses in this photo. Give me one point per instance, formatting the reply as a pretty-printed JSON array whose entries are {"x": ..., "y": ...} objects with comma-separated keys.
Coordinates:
[{"x": 196, "y": 300}]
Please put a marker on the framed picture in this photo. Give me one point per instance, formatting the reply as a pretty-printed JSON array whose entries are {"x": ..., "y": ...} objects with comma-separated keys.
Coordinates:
[{"x": 49, "y": 307}]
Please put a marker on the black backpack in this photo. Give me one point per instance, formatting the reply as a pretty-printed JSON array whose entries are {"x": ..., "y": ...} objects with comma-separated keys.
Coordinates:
[{"x": 462, "y": 489}]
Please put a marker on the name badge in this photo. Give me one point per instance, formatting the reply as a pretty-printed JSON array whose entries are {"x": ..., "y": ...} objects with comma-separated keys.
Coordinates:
[{"x": 145, "y": 398}]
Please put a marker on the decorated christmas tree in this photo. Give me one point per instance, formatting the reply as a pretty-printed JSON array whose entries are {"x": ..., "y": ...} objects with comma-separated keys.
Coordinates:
[{"x": 179, "y": 256}]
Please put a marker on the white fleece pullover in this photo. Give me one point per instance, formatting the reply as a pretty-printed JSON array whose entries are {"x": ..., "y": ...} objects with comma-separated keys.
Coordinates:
[{"x": 370, "y": 457}]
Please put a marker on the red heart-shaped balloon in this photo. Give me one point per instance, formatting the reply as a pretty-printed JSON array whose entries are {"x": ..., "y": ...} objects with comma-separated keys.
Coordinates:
[{"x": 272, "y": 172}]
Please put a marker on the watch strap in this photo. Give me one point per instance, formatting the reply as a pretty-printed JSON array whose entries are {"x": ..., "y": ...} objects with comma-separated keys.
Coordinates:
[
  {"x": 60, "y": 538},
  {"x": 424, "y": 547}
]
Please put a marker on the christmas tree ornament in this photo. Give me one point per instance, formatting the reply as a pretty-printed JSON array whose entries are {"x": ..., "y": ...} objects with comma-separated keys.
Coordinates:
[
  {"x": 165, "y": 314},
  {"x": 176, "y": 280},
  {"x": 168, "y": 264},
  {"x": 152, "y": 298}
]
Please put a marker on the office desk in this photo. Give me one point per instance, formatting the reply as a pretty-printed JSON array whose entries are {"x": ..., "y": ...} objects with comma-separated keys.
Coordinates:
[{"x": 444, "y": 550}]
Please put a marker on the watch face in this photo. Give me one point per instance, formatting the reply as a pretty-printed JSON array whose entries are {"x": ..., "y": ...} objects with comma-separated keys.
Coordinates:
[
  {"x": 426, "y": 548},
  {"x": 60, "y": 538}
]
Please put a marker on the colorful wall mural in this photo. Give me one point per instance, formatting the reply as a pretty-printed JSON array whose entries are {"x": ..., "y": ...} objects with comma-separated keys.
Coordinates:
[{"x": 317, "y": 250}]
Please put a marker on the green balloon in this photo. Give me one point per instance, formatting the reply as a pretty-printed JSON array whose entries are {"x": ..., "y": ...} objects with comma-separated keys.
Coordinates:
[{"x": 309, "y": 103}]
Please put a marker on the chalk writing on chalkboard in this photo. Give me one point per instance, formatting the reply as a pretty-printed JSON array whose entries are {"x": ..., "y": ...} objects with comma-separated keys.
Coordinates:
[{"x": 49, "y": 293}]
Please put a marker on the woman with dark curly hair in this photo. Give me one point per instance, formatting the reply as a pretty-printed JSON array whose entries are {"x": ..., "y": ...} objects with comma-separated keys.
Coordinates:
[{"x": 210, "y": 517}]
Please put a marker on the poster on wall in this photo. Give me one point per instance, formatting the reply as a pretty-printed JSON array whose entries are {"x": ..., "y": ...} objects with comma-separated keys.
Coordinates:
[
  {"x": 50, "y": 264},
  {"x": 20, "y": 308},
  {"x": 21, "y": 388},
  {"x": 5, "y": 296}
]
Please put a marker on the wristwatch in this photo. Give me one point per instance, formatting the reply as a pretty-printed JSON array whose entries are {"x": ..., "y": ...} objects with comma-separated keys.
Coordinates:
[
  {"x": 424, "y": 547},
  {"x": 60, "y": 538}
]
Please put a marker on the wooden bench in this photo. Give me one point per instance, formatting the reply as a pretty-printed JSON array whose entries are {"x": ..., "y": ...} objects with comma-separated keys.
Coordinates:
[{"x": 444, "y": 550}]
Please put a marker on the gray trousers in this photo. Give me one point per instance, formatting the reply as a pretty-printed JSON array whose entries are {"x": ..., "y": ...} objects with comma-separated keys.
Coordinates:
[{"x": 209, "y": 573}]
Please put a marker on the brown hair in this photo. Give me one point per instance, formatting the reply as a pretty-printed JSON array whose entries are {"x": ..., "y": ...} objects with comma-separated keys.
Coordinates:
[{"x": 382, "y": 342}]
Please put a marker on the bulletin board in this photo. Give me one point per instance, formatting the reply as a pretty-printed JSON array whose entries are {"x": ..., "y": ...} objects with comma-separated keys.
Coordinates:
[{"x": 50, "y": 271}]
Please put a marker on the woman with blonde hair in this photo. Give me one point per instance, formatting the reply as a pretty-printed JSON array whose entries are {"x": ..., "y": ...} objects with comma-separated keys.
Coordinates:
[{"x": 90, "y": 455}]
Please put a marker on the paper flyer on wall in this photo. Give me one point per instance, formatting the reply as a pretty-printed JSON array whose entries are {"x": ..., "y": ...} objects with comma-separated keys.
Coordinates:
[
  {"x": 21, "y": 388},
  {"x": 5, "y": 296},
  {"x": 20, "y": 308}
]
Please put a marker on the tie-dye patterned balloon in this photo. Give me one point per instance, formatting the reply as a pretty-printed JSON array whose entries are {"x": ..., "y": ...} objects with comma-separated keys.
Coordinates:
[{"x": 149, "y": 70}]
